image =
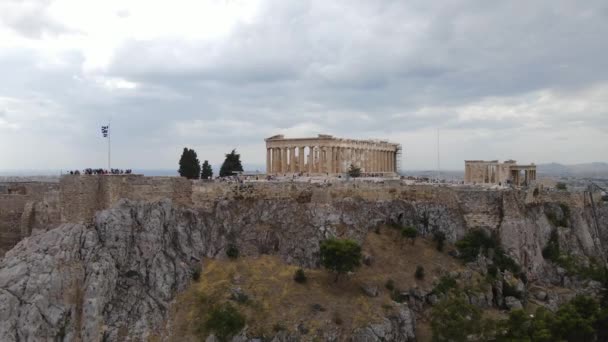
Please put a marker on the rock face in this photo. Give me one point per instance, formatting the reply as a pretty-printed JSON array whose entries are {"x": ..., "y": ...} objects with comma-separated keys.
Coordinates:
[
  {"x": 398, "y": 327},
  {"x": 116, "y": 278}
]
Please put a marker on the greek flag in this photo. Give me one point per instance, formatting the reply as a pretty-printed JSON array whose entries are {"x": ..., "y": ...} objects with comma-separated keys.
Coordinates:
[{"x": 105, "y": 131}]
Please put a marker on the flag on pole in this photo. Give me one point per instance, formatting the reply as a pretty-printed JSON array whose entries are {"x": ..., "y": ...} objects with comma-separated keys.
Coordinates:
[{"x": 105, "y": 130}]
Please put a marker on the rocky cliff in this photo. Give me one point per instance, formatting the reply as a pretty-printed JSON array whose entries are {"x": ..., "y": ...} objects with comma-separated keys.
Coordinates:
[{"x": 115, "y": 279}]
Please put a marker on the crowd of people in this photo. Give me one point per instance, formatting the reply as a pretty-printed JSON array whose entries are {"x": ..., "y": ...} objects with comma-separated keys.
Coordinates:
[{"x": 90, "y": 171}]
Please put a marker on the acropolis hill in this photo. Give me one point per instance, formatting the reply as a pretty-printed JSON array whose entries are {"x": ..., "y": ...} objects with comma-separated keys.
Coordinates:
[{"x": 116, "y": 251}]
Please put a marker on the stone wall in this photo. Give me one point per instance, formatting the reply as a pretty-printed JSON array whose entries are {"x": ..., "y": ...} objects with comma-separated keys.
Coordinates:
[
  {"x": 15, "y": 198},
  {"x": 83, "y": 195}
]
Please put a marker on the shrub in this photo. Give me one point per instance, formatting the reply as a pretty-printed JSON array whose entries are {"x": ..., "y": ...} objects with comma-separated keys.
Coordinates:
[
  {"x": 299, "y": 276},
  {"x": 340, "y": 256},
  {"x": 390, "y": 285},
  {"x": 354, "y": 171},
  {"x": 508, "y": 290},
  {"x": 196, "y": 272},
  {"x": 454, "y": 319},
  {"x": 551, "y": 250},
  {"x": 232, "y": 252},
  {"x": 445, "y": 284},
  {"x": 409, "y": 233},
  {"x": 478, "y": 241},
  {"x": 277, "y": 327},
  {"x": 224, "y": 321},
  {"x": 419, "y": 272},
  {"x": 439, "y": 238}
]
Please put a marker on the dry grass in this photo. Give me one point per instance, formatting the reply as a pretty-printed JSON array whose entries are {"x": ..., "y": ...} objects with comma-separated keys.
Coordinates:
[{"x": 276, "y": 299}]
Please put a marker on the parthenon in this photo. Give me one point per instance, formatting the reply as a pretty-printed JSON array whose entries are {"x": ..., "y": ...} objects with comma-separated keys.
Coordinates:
[
  {"x": 326, "y": 154},
  {"x": 493, "y": 172}
]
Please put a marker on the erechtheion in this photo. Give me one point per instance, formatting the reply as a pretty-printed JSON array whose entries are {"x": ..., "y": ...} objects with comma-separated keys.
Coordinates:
[
  {"x": 493, "y": 172},
  {"x": 326, "y": 154}
]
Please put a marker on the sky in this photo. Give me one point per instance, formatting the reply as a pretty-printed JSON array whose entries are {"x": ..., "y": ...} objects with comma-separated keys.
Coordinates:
[{"x": 523, "y": 80}]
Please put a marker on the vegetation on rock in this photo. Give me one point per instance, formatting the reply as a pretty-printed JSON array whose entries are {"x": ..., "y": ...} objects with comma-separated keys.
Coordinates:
[
  {"x": 207, "y": 170},
  {"x": 419, "y": 272},
  {"x": 410, "y": 233},
  {"x": 439, "y": 238},
  {"x": 299, "y": 276},
  {"x": 232, "y": 252},
  {"x": 340, "y": 256},
  {"x": 189, "y": 165},
  {"x": 231, "y": 164},
  {"x": 224, "y": 321},
  {"x": 478, "y": 242},
  {"x": 354, "y": 171}
]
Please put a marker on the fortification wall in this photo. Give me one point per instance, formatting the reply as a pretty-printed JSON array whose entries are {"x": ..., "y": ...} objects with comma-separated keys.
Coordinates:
[
  {"x": 82, "y": 195},
  {"x": 15, "y": 197}
]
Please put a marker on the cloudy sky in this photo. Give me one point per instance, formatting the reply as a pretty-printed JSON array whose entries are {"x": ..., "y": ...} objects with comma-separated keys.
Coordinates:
[{"x": 526, "y": 80}]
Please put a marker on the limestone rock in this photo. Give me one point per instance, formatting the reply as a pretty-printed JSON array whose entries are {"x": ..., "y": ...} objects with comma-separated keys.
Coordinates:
[
  {"x": 398, "y": 327},
  {"x": 370, "y": 290},
  {"x": 513, "y": 303}
]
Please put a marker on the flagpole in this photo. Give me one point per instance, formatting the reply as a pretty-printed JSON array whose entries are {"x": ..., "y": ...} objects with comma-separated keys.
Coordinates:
[{"x": 109, "y": 146}]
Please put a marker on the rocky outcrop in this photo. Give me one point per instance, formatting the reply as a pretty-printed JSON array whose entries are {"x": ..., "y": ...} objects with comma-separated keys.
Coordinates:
[
  {"x": 116, "y": 278},
  {"x": 398, "y": 327}
]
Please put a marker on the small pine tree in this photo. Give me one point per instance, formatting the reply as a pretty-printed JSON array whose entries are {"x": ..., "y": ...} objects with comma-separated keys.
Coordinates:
[
  {"x": 207, "y": 171},
  {"x": 340, "y": 256},
  {"x": 439, "y": 237},
  {"x": 354, "y": 171},
  {"x": 189, "y": 165},
  {"x": 231, "y": 164}
]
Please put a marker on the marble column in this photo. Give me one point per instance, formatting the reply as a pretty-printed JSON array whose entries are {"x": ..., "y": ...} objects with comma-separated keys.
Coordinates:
[
  {"x": 329, "y": 159},
  {"x": 267, "y": 160},
  {"x": 310, "y": 158},
  {"x": 292, "y": 160},
  {"x": 283, "y": 159},
  {"x": 301, "y": 159}
]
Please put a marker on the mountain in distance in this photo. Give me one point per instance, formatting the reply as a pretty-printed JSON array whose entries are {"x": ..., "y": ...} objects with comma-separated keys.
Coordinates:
[{"x": 594, "y": 169}]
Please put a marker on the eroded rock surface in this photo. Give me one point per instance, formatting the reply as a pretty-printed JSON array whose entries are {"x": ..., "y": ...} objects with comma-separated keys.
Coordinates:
[{"x": 116, "y": 278}]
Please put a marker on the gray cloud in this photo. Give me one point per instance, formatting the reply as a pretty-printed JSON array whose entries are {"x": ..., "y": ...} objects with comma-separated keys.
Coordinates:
[
  {"x": 30, "y": 18},
  {"x": 351, "y": 68}
]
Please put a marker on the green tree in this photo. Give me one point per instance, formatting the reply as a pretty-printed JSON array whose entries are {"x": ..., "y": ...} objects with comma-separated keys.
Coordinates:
[
  {"x": 439, "y": 237},
  {"x": 224, "y": 321},
  {"x": 576, "y": 320},
  {"x": 231, "y": 164},
  {"x": 354, "y": 171},
  {"x": 454, "y": 319},
  {"x": 207, "y": 171},
  {"x": 189, "y": 165},
  {"x": 340, "y": 256}
]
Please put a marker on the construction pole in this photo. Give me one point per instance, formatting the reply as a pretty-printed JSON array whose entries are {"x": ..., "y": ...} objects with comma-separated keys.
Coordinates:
[{"x": 438, "y": 162}]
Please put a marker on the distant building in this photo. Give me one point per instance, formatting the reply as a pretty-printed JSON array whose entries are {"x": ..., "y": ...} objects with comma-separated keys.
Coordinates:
[{"x": 494, "y": 172}]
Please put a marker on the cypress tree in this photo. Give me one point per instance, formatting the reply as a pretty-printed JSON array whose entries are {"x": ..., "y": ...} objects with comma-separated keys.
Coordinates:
[
  {"x": 189, "y": 165},
  {"x": 231, "y": 164},
  {"x": 207, "y": 172}
]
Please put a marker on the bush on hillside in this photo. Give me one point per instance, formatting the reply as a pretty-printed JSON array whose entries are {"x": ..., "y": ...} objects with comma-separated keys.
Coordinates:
[
  {"x": 299, "y": 276},
  {"x": 232, "y": 252},
  {"x": 410, "y": 233},
  {"x": 224, "y": 321},
  {"x": 419, "y": 272},
  {"x": 439, "y": 238},
  {"x": 340, "y": 256},
  {"x": 478, "y": 242}
]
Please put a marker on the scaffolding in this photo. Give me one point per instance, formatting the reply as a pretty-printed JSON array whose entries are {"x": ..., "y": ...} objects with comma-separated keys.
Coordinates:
[{"x": 398, "y": 154}]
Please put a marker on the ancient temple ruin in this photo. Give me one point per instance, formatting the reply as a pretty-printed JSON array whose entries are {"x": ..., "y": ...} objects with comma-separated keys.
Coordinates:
[
  {"x": 494, "y": 172},
  {"x": 326, "y": 154}
]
